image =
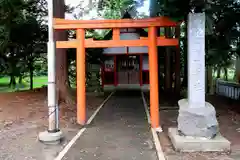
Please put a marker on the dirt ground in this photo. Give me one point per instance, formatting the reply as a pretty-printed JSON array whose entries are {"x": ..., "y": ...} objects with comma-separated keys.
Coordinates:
[
  {"x": 229, "y": 121},
  {"x": 24, "y": 114}
]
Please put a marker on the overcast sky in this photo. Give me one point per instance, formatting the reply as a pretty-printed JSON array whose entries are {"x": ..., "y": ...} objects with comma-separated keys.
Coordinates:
[{"x": 92, "y": 14}]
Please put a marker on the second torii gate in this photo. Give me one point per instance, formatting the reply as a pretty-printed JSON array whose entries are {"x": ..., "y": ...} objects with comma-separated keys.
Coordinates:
[{"x": 152, "y": 41}]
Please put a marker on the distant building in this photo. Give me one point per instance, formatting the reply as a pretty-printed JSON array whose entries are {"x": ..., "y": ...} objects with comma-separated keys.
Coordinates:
[{"x": 126, "y": 67}]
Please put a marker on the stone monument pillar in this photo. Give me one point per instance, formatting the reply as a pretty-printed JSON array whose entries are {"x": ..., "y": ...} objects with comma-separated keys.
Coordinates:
[{"x": 197, "y": 118}]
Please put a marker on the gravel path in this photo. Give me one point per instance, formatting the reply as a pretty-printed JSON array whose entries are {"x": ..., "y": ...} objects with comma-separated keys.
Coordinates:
[
  {"x": 20, "y": 143},
  {"x": 119, "y": 132},
  {"x": 23, "y": 116}
]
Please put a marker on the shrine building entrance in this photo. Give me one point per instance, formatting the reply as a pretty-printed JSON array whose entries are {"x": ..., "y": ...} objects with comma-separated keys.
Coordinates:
[{"x": 128, "y": 69}]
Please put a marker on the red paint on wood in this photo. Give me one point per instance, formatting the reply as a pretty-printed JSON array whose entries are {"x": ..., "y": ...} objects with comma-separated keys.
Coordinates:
[
  {"x": 153, "y": 74},
  {"x": 115, "y": 71},
  {"x": 81, "y": 81},
  {"x": 118, "y": 54},
  {"x": 140, "y": 70},
  {"x": 146, "y": 76},
  {"x": 89, "y": 43},
  {"x": 106, "y": 24},
  {"x": 116, "y": 34}
]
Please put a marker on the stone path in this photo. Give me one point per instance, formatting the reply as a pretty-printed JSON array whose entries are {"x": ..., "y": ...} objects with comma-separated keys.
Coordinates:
[{"x": 119, "y": 132}]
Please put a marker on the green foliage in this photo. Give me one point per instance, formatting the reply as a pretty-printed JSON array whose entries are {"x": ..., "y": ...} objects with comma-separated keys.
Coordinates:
[
  {"x": 222, "y": 24},
  {"x": 114, "y": 9},
  {"x": 23, "y": 31},
  {"x": 238, "y": 49},
  {"x": 226, "y": 33},
  {"x": 39, "y": 81},
  {"x": 23, "y": 36}
]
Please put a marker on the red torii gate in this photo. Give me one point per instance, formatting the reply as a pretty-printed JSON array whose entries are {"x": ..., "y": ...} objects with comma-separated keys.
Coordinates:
[{"x": 152, "y": 41}]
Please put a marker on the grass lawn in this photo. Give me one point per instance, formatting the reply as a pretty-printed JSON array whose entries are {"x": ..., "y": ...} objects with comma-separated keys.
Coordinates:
[{"x": 37, "y": 83}]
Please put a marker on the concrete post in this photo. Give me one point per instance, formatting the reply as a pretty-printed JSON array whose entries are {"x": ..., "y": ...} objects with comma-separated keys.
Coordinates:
[{"x": 53, "y": 134}]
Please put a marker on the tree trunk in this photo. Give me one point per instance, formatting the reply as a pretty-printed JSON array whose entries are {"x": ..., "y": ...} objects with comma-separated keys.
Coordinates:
[
  {"x": 167, "y": 68},
  {"x": 225, "y": 74},
  {"x": 12, "y": 82},
  {"x": 218, "y": 72},
  {"x": 20, "y": 79},
  {"x": 167, "y": 65},
  {"x": 210, "y": 80},
  {"x": 153, "y": 8},
  {"x": 237, "y": 67},
  {"x": 31, "y": 75},
  {"x": 177, "y": 65},
  {"x": 64, "y": 94},
  {"x": 185, "y": 77},
  {"x": 206, "y": 80}
]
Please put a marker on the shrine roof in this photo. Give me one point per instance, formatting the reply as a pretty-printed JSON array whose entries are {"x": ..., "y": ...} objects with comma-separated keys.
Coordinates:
[{"x": 140, "y": 31}]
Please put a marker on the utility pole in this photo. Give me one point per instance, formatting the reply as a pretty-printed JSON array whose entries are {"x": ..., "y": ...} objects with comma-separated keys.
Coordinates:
[{"x": 53, "y": 134}]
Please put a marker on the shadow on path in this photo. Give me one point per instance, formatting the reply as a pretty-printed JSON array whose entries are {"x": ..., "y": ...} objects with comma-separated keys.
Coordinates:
[{"x": 119, "y": 132}]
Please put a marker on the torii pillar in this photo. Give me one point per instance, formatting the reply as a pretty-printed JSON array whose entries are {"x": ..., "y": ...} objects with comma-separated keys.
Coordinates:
[{"x": 153, "y": 76}]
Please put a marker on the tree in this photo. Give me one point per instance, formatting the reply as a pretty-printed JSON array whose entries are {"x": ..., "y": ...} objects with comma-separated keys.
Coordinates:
[
  {"x": 114, "y": 9},
  {"x": 219, "y": 25},
  {"x": 23, "y": 36},
  {"x": 237, "y": 65},
  {"x": 63, "y": 87},
  {"x": 12, "y": 17}
]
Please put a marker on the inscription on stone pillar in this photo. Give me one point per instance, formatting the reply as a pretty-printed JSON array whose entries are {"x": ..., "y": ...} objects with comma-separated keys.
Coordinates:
[{"x": 196, "y": 60}]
